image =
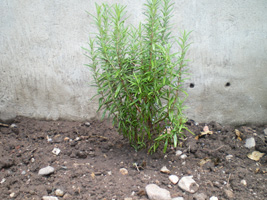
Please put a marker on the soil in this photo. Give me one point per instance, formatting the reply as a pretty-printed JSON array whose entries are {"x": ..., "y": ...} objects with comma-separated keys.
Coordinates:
[{"x": 88, "y": 165}]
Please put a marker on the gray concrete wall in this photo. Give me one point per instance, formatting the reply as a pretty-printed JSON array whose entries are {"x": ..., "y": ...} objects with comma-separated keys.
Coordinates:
[{"x": 42, "y": 73}]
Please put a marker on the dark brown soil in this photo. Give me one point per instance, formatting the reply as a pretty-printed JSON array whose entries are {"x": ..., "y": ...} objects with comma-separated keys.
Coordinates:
[{"x": 88, "y": 166}]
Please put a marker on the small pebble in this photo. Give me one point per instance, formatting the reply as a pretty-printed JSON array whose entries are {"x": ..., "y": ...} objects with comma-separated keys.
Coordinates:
[
  {"x": 23, "y": 172},
  {"x": 178, "y": 153},
  {"x": 12, "y": 194},
  {"x": 56, "y": 151},
  {"x": 243, "y": 182},
  {"x": 213, "y": 198},
  {"x": 250, "y": 142},
  {"x": 49, "y": 198},
  {"x": 46, "y": 170},
  {"x": 13, "y": 126},
  {"x": 178, "y": 198},
  {"x": 174, "y": 179},
  {"x": 183, "y": 156},
  {"x": 87, "y": 124},
  {"x": 32, "y": 159},
  {"x": 187, "y": 183},
  {"x": 59, "y": 193},
  {"x": 3, "y": 180},
  {"x": 229, "y": 157},
  {"x": 123, "y": 171},
  {"x": 165, "y": 170}
]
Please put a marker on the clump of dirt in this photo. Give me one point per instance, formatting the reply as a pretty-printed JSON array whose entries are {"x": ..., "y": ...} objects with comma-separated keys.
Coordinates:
[{"x": 92, "y": 154}]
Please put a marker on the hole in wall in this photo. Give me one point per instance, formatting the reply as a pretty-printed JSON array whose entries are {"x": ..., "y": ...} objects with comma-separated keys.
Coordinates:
[
  {"x": 192, "y": 85},
  {"x": 227, "y": 84}
]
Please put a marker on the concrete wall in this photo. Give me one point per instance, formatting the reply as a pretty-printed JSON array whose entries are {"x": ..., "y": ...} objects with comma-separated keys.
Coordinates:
[{"x": 42, "y": 73}]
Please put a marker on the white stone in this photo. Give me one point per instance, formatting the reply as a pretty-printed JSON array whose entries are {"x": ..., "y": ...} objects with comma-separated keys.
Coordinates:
[
  {"x": 3, "y": 180},
  {"x": 243, "y": 182},
  {"x": 13, "y": 126},
  {"x": 165, "y": 170},
  {"x": 56, "y": 151},
  {"x": 154, "y": 192},
  {"x": 46, "y": 170},
  {"x": 250, "y": 142},
  {"x": 187, "y": 183},
  {"x": 49, "y": 198},
  {"x": 229, "y": 157},
  {"x": 87, "y": 124},
  {"x": 178, "y": 198},
  {"x": 183, "y": 156},
  {"x": 174, "y": 179},
  {"x": 12, "y": 194},
  {"x": 127, "y": 198},
  {"x": 178, "y": 153},
  {"x": 59, "y": 193},
  {"x": 214, "y": 198},
  {"x": 265, "y": 131}
]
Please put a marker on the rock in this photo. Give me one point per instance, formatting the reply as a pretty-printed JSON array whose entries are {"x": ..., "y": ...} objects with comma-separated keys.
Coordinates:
[
  {"x": 250, "y": 142},
  {"x": 49, "y": 198},
  {"x": 56, "y": 151},
  {"x": 123, "y": 171},
  {"x": 243, "y": 182},
  {"x": 12, "y": 195},
  {"x": 46, "y": 171},
  {"x": 165, "y": 170},
  {"x": 265, "y": 131},
  {"x": 178, "y": 198},
  {"x": 127, "y": 198},
  {"x": 200, "y": 196},
  {"x": 229, "y": 157},
  {"x": 188, "y": 184},
  {"x": 13, "y": 126},
  {"x": 229, "y": 194},
  {"x": 87, "y": 124},
  {"x": 174, "y": 179},
  {"x": 178, "y": 153},
  {"x": 154, "y": 192},
  {"x": 2, "y": 181},
  {"x": 214, "y": 198},
  {"x": 183, "y": 156},
  {"x": 67, "y": 196},
  {"x": 59, "y": 193}
]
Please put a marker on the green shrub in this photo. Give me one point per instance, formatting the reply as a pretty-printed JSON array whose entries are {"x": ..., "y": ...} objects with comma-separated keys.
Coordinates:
[{"x": 139, "y": 79}]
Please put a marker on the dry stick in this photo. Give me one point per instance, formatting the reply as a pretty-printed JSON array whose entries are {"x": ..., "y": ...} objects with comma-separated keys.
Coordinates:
[
  {"x": 228, "y": 180},
  {"x": 214, "y": 149}
]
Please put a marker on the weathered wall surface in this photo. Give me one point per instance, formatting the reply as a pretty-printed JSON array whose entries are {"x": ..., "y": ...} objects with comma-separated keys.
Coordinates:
[{"x": 42, "y": 73}]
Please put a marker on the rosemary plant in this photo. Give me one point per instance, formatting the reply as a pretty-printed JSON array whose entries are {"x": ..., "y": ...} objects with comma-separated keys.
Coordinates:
[{"x": 138, "y": 78}]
